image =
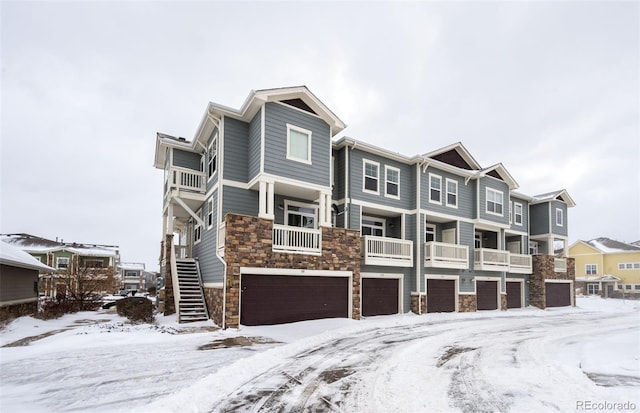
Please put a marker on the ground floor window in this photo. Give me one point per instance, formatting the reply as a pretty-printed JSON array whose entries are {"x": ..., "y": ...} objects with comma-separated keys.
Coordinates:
[{"x": 592, "y": 289}]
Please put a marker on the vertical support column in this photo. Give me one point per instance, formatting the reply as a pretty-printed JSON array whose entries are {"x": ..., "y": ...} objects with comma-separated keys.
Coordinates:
[
  {"x": 328, "y": 209},
  {"x": 170, "y": 219},
  {"x": 270, "y": 201},
  {"x": 324, "y": 211},
  {"x": 262, "y": 200}
]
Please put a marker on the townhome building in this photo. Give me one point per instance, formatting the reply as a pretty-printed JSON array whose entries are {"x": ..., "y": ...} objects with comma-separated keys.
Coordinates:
[
  {"x": 270, "y": 217},
  {"x": 606, "y": 267},
  {"x": 131, "y": 276},
  {"x": 72, "y": 261}
]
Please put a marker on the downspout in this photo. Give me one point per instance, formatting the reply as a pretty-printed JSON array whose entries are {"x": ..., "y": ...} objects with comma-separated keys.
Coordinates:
[
  {"x": 418, "y": 238},
  {"x": 219, "y": 218}
]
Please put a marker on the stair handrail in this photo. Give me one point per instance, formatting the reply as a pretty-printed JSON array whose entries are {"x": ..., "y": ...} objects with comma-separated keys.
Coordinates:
[
  {"x": 174, "y": 281},
  {"x": 204, "y": 299}
]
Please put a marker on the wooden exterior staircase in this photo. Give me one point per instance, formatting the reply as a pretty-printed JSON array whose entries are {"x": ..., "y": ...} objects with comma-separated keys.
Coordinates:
[{"x": 189, "y": 296}]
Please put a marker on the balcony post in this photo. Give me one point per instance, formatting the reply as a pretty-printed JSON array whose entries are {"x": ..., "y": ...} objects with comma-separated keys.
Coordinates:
[{"x": 324, "y": 210}]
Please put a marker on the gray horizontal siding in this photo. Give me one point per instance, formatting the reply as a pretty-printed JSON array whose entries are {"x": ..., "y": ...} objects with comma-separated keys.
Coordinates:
[
  {"x": 236, "y": 150},
  {"x": 255, "y": 145},
  {"x": 466, "y": 194},
  {"x": 555, "y": 229},
  {"x": 239, "y": 201},
  {"x": 339, "y": 173},
  {"x": 525, "y": 215},
  {"x": 354, "y": 217},
  {"x": 407, "y": 180},
  {"x": 17, "y": 283},
  {"x": 186, "y": 159},
  {"x": 276, "y": 118},
  {"x": 211, "y": 267}
]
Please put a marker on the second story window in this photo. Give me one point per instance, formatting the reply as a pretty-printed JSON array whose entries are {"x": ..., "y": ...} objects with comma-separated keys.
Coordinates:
[
  {"x": 435, "y": 189},
  {"x": 298, "y": 144},
  {"x": 301, "y": 216},
  {"x": 452, "y": 193},
  {"x": 131, "y": 274},
  {"x": 430, "y": 233},
  {"x": 210, "y": 213},
  {"x": 517, "y": 213},
  {"x": 392, "y": 186},
  {"x": 212, "y": 157},
  {"x": 559, "y": 217},
  {"x": 371, "y": 175},
  {"x": 494, "y": 202},
  {"x": 62, "y": 263},
  {"x": 591, "y": 269},
  {"x": 372, "y": 226},
  {"x": 197, "y": 229}
]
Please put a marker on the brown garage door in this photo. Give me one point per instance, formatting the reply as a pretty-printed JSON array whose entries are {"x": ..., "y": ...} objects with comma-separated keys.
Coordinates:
[
  {"x": 441, "y": 296},
  {"x": 514, "y": 294},
  {"x": 379, "y": 296},
  {"x": 558, "y": 294},
  {"x": 487, "y": 295},
  {"x": 276, "y": 299}
]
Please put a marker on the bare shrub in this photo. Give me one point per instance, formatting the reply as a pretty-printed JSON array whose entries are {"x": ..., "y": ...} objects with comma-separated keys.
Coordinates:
[{"x": 136, "y": 309}]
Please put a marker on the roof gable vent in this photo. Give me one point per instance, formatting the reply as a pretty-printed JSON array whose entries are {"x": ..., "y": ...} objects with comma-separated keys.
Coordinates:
[{"x": 298, "y": 103}]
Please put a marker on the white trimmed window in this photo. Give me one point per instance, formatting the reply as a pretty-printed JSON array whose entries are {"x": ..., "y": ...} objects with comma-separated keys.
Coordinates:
[
  {"x": 510, "y": 212},
  {"x": 592, "y": 289},
  {"x": 477, "y": 240},
  {"x": 533, "y": 247},
  {"x": 210, "y": 213},
  {"x": 392, "y": 182},
  {"x": 559, "y": 217},
  {"x": 298, "y": 144},
  {"x": 197, "y": 228},
  {"x": 494, "y": 202},
  {"x": 435, "y": 189},
  {"x": 371, "y": 176},
  {"x": 430, "y": 233},
  {"x": 372, "y": 226},
  {"x": 627, "y": 286},
  {"x": 517, "y": 213},
  {"x": 212, "y": 157},
  {"x": 62, "y": 263},
  {"x": 301, "y": 215},
  {"x": 452, "y": 193},
  {"x": 591, "y": 269}
]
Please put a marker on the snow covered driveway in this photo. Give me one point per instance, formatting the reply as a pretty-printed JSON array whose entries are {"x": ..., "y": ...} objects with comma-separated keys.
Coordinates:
[{"x": 515, "y": 361}]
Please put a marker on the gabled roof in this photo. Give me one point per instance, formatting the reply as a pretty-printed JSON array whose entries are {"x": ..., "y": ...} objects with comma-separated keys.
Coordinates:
[
  {"x": 456, "y": 155},
  {"x": 561, "y": 195},
  {"x": 37, "y": 245},
  {"x": 15, "y": 257},
  {"x": 608, "y": 245},
  {"x": 500, "y": 172},
  {"x": 586, "y": 244}
]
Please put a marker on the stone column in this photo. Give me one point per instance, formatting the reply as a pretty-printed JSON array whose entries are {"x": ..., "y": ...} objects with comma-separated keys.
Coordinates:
[{"x": 169, "y": 304}]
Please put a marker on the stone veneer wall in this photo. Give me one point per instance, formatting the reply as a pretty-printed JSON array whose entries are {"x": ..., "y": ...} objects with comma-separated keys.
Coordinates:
[
  {"x": 169, "y": 303},
  {"x": 18, "y": 310},
  {"x": 248, "y": 243},
  {"x": 503, "y": 301},
  {"x": 214, "y": 298},
  {"x": 467, "y": 303},
  {"x": 544, "y": 269},
  {"x": 418, "y": 303}
]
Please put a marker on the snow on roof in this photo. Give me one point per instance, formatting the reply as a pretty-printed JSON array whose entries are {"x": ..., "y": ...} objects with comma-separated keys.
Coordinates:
[
  {"x": 33, "y": 244},
  {"x": 550, "y": 196},
  {"x": 608, "y": 245},
  {"x": 15, "y": 257},
  {"x": 132, "y": 266},
  {"x": 600, "y": 278}
]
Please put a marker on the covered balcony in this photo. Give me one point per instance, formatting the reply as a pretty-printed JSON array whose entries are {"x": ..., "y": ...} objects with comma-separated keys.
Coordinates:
[
  {"x": 385, "y": 251},
  {"x": 445, "y": 255},
  {"x": 520, "y": 264},
  {"x": 297, "y": 240},
  {"x": 487, "y": 259}
]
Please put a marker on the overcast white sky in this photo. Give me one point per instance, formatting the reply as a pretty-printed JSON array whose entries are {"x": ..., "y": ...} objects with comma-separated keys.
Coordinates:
[{"x": 550, "y": 89}]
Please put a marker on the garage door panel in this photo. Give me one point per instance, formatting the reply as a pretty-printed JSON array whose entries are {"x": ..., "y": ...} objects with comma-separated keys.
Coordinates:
[
  {"x": 380, "y": 296},
  {"x": 487, "y": 295},
  {"x": 441, "y": 296},
  {"x": 558, "y": 294},
  {"x": 514, "y": 294},
  {"x": 276, "y": 299}
]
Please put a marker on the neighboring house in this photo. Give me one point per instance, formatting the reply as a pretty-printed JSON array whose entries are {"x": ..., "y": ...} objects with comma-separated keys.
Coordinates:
[
  {"x": 275, "y": 221},
  {"x": 70, "y": 260},
  {"x": 18, "y": 281},
  {"x": 605, "y": 266},
  {"x": 131, "y": 276}
]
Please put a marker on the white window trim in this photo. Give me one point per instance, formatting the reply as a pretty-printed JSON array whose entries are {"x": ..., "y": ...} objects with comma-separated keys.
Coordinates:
[
  {"x": 430, "y": 188},
  {"x": 364, "y": 176},
  {"x": 288, "y": 203},
  {"x": 391, "y": 168},
  {"x": 486, "y": 206},
  {"x": 63, "y": 258},
  {"x": 196, "y": 224},
  {"x": 309, "y": 141},
  {"x": 426, "y": 228},
  {"x": 515, "y": 215},
  {"x": 510, "y": 212},
  {"x": 561, "y": 223},
  {"x": 533, "y": 245},
  {"x": 447, "y": 180},
  {"x": 375, "y": 219},
  {"x": 210, "y": 213},
  {"x": 586, "y": 269},
  {"x": 214, "y": 140}
]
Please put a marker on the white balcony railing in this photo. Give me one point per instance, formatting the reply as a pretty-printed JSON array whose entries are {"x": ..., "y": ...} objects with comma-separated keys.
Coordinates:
[
  {"x": 443, "y": 255},
  {"x": 297, "y": 240},
  {"x": 520, "y": 263},
  {"x": 486, "y": 259},
  {"x": 560, "y": 264},
  {"x": 182, "y": 178},
  {"x": 387, "y": 251}
]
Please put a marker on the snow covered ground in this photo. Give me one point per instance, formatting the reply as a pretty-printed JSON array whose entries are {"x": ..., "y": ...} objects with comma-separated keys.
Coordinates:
[{"x": 570, "y": 359}]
